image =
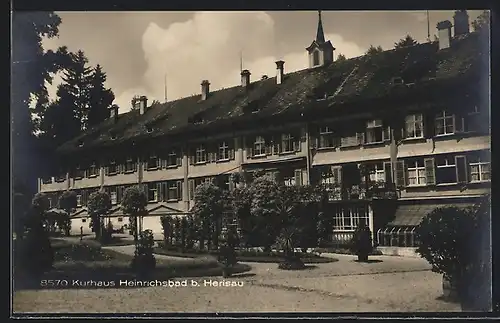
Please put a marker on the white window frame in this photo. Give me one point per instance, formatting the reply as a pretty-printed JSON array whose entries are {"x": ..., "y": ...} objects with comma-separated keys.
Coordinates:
[
  {"x": 259, "y": 146},
  {"x": 172, "y": 158},
  {"x": 113, "y": 196},
  {"x": 377, "y": 172},
  {"x": 339, "y": 220},
  {"x": 287, "y": 139},
  {"x": 372, "y": 127},
  {"x": 130, "y": 165},
  {"x": 149, "y": 162},
  {"x": 445, "y": 119},
  {"x": 119, "y": 219},
  {"x": 414, "y": 126},
  {"x": 421, "y": 180},
  {"x": 200, "y": 155},
  {"x": 84, "y": 220},
  {"x": 172, "y": 186},
  {"x": 480, "y": 172},
  {"x": 152, "y": 187},
  {"x": 223, "y": 153},
  {"x": 326, "y": 133},
  {"x": 79, "y": 200},
  {"x": 447, "y": 164},
  {"x": 315, "y": 58}
]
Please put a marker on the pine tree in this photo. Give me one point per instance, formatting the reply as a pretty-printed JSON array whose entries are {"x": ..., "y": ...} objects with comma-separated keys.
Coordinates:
[
  {"x": 340, "y": 58},
  {"x": 405, "y": 42},
  {"x": 100, "y": 98},
  {"x": 483, "y": 20},
  {"x": 374, "y": 50}
]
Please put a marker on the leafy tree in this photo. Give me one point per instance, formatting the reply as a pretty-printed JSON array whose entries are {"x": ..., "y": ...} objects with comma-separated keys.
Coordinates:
[
  {"x": 134, "y": 203},
  {"x": 68, "y": 203},
  {"x": 482, "y": 22},
  {"x": 340, "y": 58},
  {"x": 207, "y": 210},
  {"x": 241, "y": 201},
  {"x": 144, "y": 261},
  {"x": 372, "y": 50},
  {"x": 98, "y": 205},
  {"x": 405, "y": 42},
  {"x": 264, "y": 207},
  {"x": 100, "y": 98}
]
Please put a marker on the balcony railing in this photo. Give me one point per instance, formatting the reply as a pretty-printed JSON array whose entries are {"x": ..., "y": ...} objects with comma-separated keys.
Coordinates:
[{"x": 361, "y": 192}]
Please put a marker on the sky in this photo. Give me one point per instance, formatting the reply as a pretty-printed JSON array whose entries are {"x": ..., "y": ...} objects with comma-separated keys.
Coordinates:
[{"x": 143, "y": 51}]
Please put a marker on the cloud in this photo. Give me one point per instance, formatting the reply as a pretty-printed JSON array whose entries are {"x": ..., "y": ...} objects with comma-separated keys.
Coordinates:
[{"x": 208, "y": 47}]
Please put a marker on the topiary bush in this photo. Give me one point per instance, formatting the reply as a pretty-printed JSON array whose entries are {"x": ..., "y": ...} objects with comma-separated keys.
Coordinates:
[
  {"x": 144, "y": 261},
  {"x": 361, "y": 242}
]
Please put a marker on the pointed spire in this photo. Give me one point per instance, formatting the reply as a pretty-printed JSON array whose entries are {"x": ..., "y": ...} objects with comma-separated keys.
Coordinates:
[{"x": 320, "y": 35}]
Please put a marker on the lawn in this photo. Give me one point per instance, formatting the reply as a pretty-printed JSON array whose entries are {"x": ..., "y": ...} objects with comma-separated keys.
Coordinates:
[
  {"x": 245, "y": 255},
  {"x": 86, "y": 260}
]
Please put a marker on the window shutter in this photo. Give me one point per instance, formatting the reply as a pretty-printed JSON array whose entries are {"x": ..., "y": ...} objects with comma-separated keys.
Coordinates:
[
  {"x": 231, "y": 152},
  {"x": 337, "y": 174},
  {"x": 211, "y": 156},
  {"x": 400, "y": 174},
  {"x": 191, "y": 157},
  {"x": 191, "y": 189},
  {"x": 298, "y": 177},
  {"x": 429, "y": 125},
  {"x": 461, "y": 168},
  {"x": 386, "y": 133},
  {"x": 159, "y": 191},
  {"x": 268, "y": 145},
  {"x": 297, "y": 143},
  {"x": 179, "y": 190},
  {"x": 360, "y": 138},
  {"x": 106, "y": 170},
  {"x": 388, "y": 172},
  {"x": 459, "y": 122},
  {"x": 430, "y": 171}
]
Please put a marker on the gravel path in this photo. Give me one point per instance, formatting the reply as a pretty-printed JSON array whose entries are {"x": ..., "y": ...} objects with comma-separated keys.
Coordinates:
[{"x": 392, "y": 284}]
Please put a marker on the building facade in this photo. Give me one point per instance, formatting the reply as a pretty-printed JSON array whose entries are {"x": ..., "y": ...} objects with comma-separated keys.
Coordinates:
[{"x": 412, "y": 118}]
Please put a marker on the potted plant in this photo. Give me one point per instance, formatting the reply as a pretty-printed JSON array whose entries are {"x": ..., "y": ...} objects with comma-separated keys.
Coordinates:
[
  {"x": 444, "y": 236},
  {"x": 227, "y": 254},
  {"x": 144, "y": 261},
  {"x": 361, "y": 242}
]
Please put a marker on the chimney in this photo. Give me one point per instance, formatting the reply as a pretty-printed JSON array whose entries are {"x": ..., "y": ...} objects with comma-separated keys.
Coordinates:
[
  {"x": 113, "y": 112},
  {"x": 460, "y": 23},
  {"x": 205, "y": 89},
  {"x": 143, "y": 104},
  {"x": 245, "y": 78},
  {"x": 280, "y": 71},
  {"x": 444, "y": 34}
]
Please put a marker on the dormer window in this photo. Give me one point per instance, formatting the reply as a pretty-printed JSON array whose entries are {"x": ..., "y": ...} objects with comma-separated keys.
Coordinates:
[
  {"x": 79, "y": 172},
  {"x": 201, "y": 154},
  {"x": 80, "y": 143},
  {"x": 149, "y": 129},
  {"x": 112, "y": 168},
  {"x": 93, "y": 170},
  {"x": 397, "y": 80},
  {"x": 112, "y": 135},
  {"x": 315, "y": 58},
  {"x": 153, "y": 162}
]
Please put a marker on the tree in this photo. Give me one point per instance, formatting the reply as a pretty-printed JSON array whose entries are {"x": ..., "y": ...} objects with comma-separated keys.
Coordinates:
[
  {"x": 68, "y": 203},
  {"x": 405, "y": 42},
  {"x": 340, "y": 58},
  {"x": 98, "y": 205},
  {"x": 134, "y": 203},
  {"x": 372, "y": 50},
  {"x": 482, "y": 22},
  {"x": 207, "y": 210},
  {"x": 100, "y": 98},
  {"x": 31, "y": 67}
]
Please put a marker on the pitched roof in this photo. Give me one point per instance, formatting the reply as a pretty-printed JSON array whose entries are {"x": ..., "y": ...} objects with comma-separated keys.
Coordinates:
[{"x": 340, "y": 82}]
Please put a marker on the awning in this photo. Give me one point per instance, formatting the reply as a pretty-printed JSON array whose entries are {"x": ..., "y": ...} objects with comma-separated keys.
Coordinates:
[{"x": 412, "y": 215}]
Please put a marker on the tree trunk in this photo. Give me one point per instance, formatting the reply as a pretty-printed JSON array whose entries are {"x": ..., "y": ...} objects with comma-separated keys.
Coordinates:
[{"x": 136, "y": 229}]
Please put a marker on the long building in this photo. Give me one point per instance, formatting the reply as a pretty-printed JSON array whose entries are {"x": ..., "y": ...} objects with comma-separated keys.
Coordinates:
[{"x": 416, "y": 117}]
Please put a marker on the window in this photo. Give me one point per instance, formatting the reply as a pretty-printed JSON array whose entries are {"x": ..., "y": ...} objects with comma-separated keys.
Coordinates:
[
  {"x": 112, "y": 135},
  {"x": 172, "y": 159},
  {"x": 287, "y": 143},
  {"x": 79, "y": 172},
  {"x": 445, "y": 124},
  {"x": 78, "y": 200},
  {"x": 223, "y": 181},
  {"x": 375, "y": 132},
  {"x": 47, "y": 180},
  {"x": 446, "y": 171},
  {"x": 348, "y": 218},
  {"x": 326, "y": 138},
  {"x": 259, "y": 147},
  {"x": 315, "y": 58},
  {"x": 414, "y": 126},
  {"x": 201, "y": 155},
  {"x": 223, "y": 151},
  {"x": 114, "y": 197},
  {"x": 84, "y": 220},
  {"x": 130, "y": 165},
  {"x": 93, "y": 170},
  {"x": 60, "y": 178},
  {"x": 377, "y": 173},
  {"x": 172, "y": 191},
  {"x": 112, "y": 168},
  {"x": 479, "y": 169},
  {"x": 152, "y": 192},
  {"x": 416, "y": 173},
  {"x": 153, "y": 162},
  {"x": 120, "y": 219}
]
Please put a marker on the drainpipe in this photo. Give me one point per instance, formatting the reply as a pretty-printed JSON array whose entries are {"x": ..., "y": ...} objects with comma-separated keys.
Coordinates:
[{"x": 308, "y": 155}]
